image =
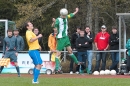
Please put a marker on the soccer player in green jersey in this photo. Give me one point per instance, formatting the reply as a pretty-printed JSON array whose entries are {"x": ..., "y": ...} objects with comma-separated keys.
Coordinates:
[{"x": 61, "y": 23}]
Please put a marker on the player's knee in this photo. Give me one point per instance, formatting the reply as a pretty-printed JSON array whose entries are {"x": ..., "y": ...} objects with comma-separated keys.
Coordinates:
[
  {"x": 38, "y": 66},
  {"x": 70, "y": 51}
]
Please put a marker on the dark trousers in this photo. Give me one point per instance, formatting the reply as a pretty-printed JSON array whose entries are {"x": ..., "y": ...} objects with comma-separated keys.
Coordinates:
[
  {"x": 100, "y": 56},
  {"x": 115, "y": 61}
]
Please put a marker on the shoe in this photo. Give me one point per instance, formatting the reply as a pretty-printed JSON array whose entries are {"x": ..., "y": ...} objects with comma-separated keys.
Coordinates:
[
  {"x": 35, "y": 82},
  {"x": 71, "y": 72},
  {"x": 77, "y": 72},
  {"x": 80, "y": 63},
  {"x": 19, "y": 75},
  {"x": 58, "y": 72}
]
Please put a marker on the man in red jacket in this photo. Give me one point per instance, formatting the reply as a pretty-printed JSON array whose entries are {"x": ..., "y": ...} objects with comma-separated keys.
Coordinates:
[{"x": 102, "y": 43}]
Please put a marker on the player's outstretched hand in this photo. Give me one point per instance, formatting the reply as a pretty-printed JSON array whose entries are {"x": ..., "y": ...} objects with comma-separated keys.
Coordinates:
[{"x": 77, "y": 9}]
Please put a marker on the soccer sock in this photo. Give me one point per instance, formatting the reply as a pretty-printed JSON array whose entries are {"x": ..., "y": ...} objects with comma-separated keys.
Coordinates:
[
  {"x": 57, "y": 62},
  {"x": 17, "y": 69},
  {"x": 36, "y": 74},
  {"x": 1, "y": 68},
  {"x": 72, "y": 56}
]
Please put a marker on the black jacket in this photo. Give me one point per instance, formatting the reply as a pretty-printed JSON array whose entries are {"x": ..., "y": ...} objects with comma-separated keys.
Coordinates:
[
  {"x": 82, "y": 41},
  {"x": 73, "y": 40},
  {"x": 90, "y": 40},
  {"x": 114, "y": 41}
]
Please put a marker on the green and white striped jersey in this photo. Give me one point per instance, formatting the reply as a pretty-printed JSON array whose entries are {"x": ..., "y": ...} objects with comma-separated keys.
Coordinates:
[{"x": 62, "y": 26}]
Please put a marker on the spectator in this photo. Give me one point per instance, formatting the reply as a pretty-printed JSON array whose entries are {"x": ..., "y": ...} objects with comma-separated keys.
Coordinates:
[
  {"x": 114, "y": 45},
  {"x": 82, "y": 45},
  {"x": 36, "y": 32},
  {"x": 52, "y": 43},
  {"x": 73, "y": 45},
  {"x": 20, "y": 40},
  {"x": 1, "y": 43},
  {"x": 89, "y": 36},
  {"x": 102, "y": 43},
  {"x": 10, "y": 50}
]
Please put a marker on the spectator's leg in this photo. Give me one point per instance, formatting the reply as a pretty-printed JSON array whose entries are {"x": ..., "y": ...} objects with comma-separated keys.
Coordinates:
[
  {"x": 103, "y": 61},
  {"x": 98, "y": 59}
]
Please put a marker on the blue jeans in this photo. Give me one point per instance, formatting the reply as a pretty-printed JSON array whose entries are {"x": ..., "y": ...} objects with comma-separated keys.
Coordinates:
[
  {"x": 82, "y": 58},
  {"x": 115, "y": 60},
  {"x": 100, "y": 56},
  {"x": 89, "y": 59}
]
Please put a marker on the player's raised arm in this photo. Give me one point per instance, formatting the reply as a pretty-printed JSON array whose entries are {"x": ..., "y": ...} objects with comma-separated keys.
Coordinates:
[
  {"x": 72, "y": 14},
  {"x": 76, "y": 11}
]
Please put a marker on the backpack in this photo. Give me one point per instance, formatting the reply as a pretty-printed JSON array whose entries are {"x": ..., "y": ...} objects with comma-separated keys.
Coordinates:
[
  {"x": 128, "y": 47},
  {"x": 128, "y": 44}
]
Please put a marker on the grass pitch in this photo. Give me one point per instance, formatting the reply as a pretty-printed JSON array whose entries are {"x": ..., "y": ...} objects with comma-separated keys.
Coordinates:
[{"x": 53, "y": 81}]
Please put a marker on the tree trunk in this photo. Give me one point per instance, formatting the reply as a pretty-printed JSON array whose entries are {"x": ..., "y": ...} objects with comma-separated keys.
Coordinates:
[{"x": 89, "y": 14}]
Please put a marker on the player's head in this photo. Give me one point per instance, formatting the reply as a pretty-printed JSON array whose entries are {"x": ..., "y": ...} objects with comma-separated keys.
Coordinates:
[
  {"x": 63, "y": 12},
  {"x": 28, "y": 25},
  {"x": 16, "y": 32},
  {"x": 114, "y": 29},
  {"x": 9, "y": 32},
  {"x": 36, "y": 31}
]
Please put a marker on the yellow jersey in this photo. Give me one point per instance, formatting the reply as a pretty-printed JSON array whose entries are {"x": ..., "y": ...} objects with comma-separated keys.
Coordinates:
[{"x": 32, "y": 45}]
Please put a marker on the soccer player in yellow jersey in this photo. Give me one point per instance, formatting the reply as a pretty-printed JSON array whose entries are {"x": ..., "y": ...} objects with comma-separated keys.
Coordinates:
[{"x": 34, "y": 47}]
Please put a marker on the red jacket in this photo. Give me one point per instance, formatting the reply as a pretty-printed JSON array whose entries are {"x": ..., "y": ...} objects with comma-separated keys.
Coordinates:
[{"x": 102, "y": 40}]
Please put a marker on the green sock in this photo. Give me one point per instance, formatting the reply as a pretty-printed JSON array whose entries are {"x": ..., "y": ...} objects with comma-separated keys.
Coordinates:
[
  {"x": 72, "y": 56},
  {"x": 57, "y": 62}
]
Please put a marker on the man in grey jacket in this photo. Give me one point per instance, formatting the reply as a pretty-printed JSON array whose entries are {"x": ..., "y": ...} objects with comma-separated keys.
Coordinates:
[
  {"x": 10, "y": 50},
  {"x": 20, "y": 40}
]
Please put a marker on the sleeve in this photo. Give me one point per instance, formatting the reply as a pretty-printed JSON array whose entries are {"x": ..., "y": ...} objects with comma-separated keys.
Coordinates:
[
  {"x": 16, "y": 45},
  {"x": 56, "y": 23},
  {"x": 22, "y": 44},
  {"x": 4, "y": 46},
  {"x": 28, "y": 36},
  {"x": 77, "y": 44},
  {"x": 50, "y": 43},
  {"x": 84, "y": 45},
  {"x": 70, "y": 15},
  {"x": 72, "y": 41},
  {"x": 91, "y": 38}
]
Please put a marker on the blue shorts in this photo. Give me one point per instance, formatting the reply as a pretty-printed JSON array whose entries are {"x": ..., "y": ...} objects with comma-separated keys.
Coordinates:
[{"x": 35, "y": 55}]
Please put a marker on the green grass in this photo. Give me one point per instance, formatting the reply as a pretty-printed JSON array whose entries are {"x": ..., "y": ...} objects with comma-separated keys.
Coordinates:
[{"x": 26, "y": 81}]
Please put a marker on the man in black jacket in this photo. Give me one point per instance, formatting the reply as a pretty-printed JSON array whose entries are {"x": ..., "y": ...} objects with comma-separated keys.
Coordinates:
[
  {"x": 114, "y": 45},
  {"x": 82, "y": 43},
  {"x": 90, "y": 38},
  {"x": 73, "y": 45}
]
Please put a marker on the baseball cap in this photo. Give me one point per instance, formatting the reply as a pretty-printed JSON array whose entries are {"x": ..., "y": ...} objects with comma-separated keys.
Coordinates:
[{"x": 103, "y": 27}]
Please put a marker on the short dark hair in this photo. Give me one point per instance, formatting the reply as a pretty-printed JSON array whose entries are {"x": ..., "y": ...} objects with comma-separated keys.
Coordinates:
[
  {"x": 78, "y": 27},
  {"x": 114, "y": 27},
  {"x": 81, "y": 29},
  {"x": 16, "y": 30},
  {"x": 87, "y": 27},
  {"x": 26, "y": 24},
  {"x": 9, "y": 30}
]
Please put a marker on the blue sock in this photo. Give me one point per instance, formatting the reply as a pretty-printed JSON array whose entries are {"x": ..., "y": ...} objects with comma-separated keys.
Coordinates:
[{"x": 36, "y": 74}]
